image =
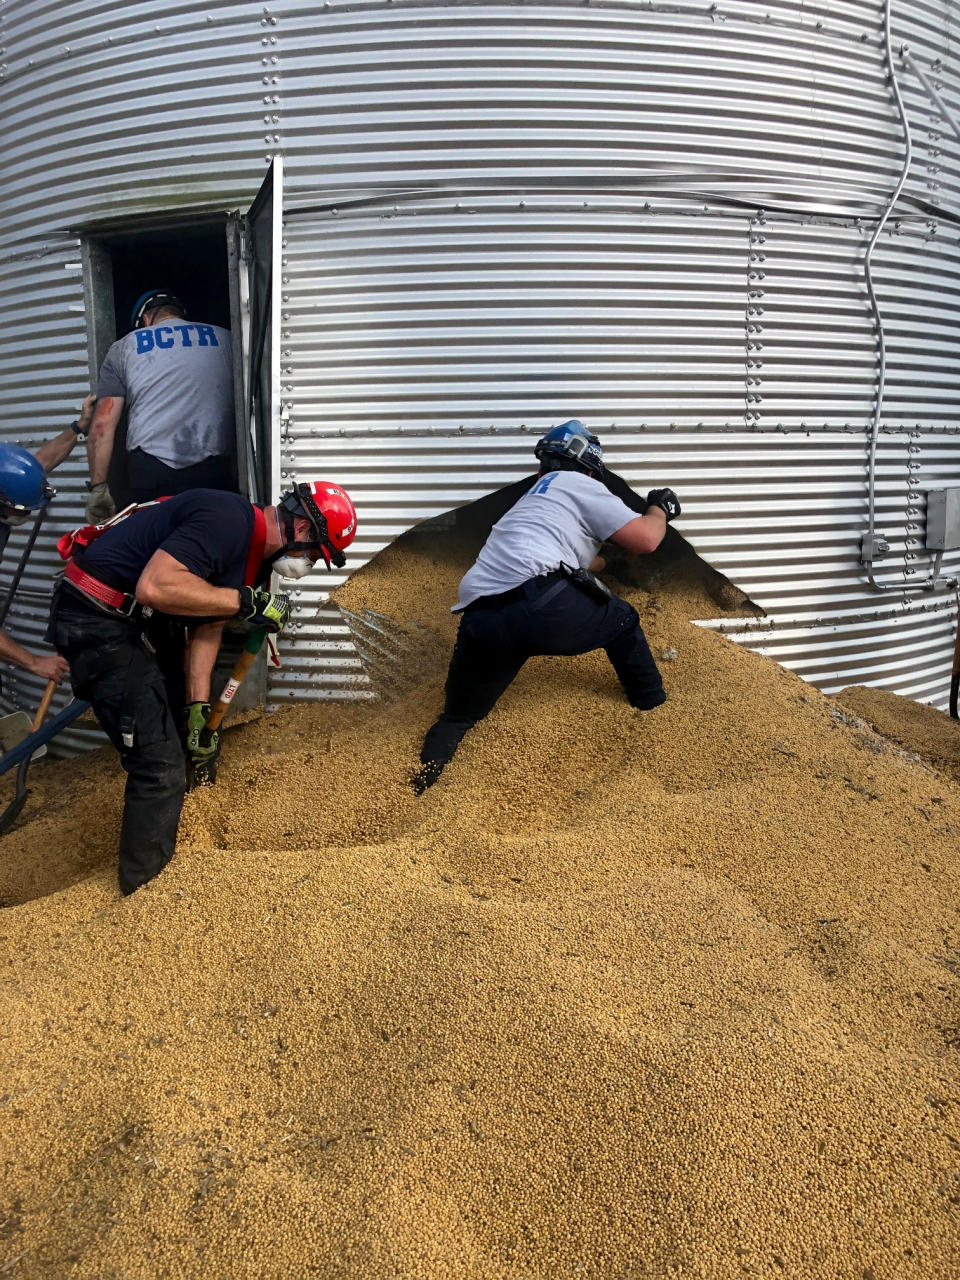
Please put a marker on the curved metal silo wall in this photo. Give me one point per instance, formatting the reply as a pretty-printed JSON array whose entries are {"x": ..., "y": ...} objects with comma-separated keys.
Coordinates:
[
  {"x": 651, "y": 216},
  {"x": 106, "y": 111}
]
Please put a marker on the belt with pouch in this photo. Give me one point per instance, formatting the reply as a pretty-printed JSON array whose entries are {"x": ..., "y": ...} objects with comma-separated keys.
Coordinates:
[
  {"x": 524, "y": 591},
  {"x": 582, "y": 579}
]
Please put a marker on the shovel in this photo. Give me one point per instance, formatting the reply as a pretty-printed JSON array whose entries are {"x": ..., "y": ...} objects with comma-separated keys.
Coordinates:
[
  {"x": 205, "y": 774},
  {"x": 19, "y": 796},
  {"x": 13, "y": 729}
]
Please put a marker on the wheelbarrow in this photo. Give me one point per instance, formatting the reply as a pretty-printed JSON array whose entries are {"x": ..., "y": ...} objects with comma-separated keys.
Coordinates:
[{"x": 25, "y": 750}]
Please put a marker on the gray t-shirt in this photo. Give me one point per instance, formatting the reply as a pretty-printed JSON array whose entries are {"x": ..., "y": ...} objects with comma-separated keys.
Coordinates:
[
  {"x": 562, "y": 520},
  {"x": 177, "y": 379}
]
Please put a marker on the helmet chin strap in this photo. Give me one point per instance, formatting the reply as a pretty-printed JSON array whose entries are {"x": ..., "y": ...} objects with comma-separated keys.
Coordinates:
[
  {"x": 291, "y": 545},
  {"x": 287, "y": 541}
]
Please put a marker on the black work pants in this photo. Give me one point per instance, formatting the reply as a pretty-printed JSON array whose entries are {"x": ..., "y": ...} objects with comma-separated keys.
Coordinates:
[
  {"x": 552, "y": 616},
  {"x": 149, "y": 478},
  {"x": 132, "y": 674}
]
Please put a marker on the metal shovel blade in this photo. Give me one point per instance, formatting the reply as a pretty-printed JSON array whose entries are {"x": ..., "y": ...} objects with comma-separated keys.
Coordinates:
[
  {"x": 13, "y": 729},
  {"x": 395, "y": 655},
  {"x": 37, "y": 727}
]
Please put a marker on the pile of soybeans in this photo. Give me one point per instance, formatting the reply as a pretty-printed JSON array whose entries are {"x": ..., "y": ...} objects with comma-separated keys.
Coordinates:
[{"x": 623, "y": 995}]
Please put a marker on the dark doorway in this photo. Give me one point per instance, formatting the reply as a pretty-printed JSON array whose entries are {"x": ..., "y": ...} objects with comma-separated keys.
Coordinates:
[{"x": 190, "y": 259}]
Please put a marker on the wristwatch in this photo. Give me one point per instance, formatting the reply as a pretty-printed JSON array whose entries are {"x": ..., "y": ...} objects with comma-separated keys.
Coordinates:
[{"x": 76, "y": 428}]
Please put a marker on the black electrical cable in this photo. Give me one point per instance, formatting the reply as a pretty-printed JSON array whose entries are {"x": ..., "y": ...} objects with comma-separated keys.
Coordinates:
[{"x": 18, "y": 572}]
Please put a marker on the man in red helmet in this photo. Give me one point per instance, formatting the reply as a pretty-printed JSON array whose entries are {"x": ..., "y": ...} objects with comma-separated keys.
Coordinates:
[{"x": 139, "y": 616}]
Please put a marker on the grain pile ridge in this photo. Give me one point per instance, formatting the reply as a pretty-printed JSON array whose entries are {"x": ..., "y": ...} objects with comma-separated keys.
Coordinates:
[{"x": 623, "y": 995}]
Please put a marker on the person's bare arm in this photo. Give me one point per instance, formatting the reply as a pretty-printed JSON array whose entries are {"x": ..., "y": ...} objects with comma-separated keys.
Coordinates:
[
  {"x": 167, "y": 585},
  {"x": 102, "y": 432},
  {"x": 54, "y": 668},
  {"x": 642, "y": 535},
  {"x": 51, "y": 454},
  {"x": 203, "y": 645}
]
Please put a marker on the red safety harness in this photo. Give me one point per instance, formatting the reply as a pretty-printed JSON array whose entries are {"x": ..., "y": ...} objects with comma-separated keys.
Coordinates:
[
  {"x": 125, "y": 603},
  {"x": 257, "y": 542},
  {"x": 116, "y": 601}
]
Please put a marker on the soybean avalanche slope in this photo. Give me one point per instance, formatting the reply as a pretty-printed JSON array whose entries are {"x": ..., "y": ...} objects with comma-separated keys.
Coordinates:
[{"x": 621, "y": 996}]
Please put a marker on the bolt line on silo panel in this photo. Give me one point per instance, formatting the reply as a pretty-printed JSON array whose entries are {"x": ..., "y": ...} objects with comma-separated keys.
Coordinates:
[{"x": 873, "y": 544}]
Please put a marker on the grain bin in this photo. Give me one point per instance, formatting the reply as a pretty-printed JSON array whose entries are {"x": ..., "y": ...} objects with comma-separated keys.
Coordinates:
[{"x": 723, "y": 234}]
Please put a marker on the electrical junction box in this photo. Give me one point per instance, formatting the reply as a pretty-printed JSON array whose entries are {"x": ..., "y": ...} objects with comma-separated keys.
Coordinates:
[{"x": 943, "y": 519}]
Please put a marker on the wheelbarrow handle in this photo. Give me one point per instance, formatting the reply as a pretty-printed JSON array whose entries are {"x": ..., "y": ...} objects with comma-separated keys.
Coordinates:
[
  {"x": 22, "y": 753},
  {"x": 23, "y": 750}
]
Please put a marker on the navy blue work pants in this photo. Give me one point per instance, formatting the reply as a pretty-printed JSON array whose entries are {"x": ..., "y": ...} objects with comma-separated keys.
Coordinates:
[
  {"x": 133, "y": 677},
  {"x": 551, "y": 616},
  {"x": 149, "y": 478}
]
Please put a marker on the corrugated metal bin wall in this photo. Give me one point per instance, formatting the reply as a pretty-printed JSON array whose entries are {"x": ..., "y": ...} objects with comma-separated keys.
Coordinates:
[{"x": 651, "y": 216}]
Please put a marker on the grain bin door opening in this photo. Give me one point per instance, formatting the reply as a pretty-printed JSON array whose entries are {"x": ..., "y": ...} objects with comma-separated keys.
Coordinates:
[
  {"x": 190, "y": 258},
  {"x": 263, "y": 228}
]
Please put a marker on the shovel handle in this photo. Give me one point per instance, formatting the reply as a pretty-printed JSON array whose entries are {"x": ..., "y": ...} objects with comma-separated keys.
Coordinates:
[
  {"x": 44, "y": 707},
  {"x": 199, "y": 775},
  {"x": 238, "y": 675}
]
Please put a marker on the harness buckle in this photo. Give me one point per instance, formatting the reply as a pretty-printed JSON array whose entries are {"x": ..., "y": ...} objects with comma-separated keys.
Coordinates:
[{"x": 129, "y": 610}]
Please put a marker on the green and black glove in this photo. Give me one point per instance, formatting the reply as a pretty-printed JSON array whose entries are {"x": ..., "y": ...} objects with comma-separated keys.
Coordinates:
[
  {"x": 264, "y": 608},
  {"x": 201, "y": 746}
]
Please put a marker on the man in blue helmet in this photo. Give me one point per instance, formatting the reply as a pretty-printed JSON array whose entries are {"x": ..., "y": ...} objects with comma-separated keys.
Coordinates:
[
  {"x": 174, "y": 377},
  {"x": 532, "y": 591},
  {"x": 24, "y": 491}
]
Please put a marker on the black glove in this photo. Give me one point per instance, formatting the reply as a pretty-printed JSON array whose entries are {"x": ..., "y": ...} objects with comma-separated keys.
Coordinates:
[
  {"x": 263, "y": 609},
  {"x": 666, "y": 500}
]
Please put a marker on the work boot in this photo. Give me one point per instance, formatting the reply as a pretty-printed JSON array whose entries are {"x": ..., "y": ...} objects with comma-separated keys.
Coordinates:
[{"x": 426, "y": 776}]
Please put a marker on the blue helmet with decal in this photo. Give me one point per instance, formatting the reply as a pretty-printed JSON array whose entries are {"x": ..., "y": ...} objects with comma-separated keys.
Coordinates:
[
  {"x": 153, "y": 300},
  {"x": 23, "y": 484},
  {"x": 574, "y": 443}
]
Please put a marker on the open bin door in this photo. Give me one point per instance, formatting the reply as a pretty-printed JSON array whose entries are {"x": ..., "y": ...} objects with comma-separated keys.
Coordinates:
[
  {"x": 259, "y": 439},
  {"x": 264, "y": 226}
]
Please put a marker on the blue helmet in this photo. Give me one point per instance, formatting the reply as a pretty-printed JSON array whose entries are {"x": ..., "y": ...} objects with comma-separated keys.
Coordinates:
[
  {"x": 23, "y": 484},
  {"x": 572, "y": 440},
  {"x": 152, "y": 300}
]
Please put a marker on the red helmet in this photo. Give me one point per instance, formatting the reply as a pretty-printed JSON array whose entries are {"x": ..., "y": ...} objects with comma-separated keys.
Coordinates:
[{"x": 330, "y": 511}]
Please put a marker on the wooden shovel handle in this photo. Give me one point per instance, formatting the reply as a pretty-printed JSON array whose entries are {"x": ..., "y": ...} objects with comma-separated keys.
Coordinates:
[
  {"x": 219, "y": 709},
  {"x": 44, "y": 707},
  {"x": 237, "y": 676}
]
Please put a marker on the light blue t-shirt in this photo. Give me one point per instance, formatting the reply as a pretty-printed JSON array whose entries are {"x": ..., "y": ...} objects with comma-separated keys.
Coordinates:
[
  {"x": 562, "y": 520},
  {"x": 177, "y": 379}
]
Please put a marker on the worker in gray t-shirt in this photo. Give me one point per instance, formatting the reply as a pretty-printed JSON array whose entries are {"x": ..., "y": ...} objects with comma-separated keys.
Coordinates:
[
  {"x": 531, "y": 590},
  {"x": 175, "y": 379}
]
